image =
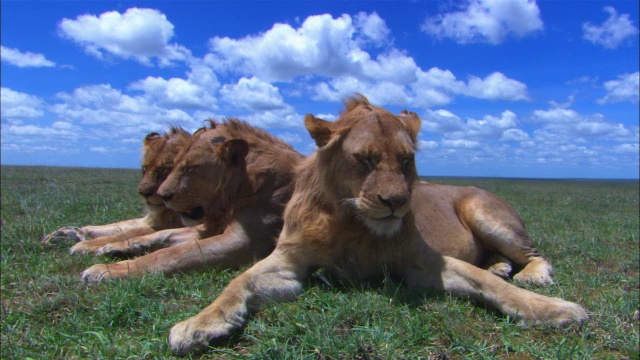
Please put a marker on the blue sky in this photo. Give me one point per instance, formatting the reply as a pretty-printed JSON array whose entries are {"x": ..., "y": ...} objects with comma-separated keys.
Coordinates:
[{"x": 504, "y": 88}]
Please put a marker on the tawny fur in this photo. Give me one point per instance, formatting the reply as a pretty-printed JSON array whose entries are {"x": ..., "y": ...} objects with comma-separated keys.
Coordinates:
[
  {"x": 158, "y": 154},
  {"x": 361, "y": 176},
  {"x": 233, "y": 178}
]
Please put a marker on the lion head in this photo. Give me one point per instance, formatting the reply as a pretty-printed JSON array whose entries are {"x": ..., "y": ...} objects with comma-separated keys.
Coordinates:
[
  {"x": 365, "y": 162},
  {"x": 159, "y": 153},
  {"x": 206, "y": 173}
]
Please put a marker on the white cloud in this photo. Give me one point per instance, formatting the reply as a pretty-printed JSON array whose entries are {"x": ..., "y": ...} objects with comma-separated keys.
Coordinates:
[
  {"x": 285, "y": 117},
  {"x": 99, "y": 149},
  {"x": 24, "y": 59},
  {"x": 175, "y": 92},
  {"x": 372, "y": 27},
  {"x": 108, "y": 110},
  {"x": 138, "y": 33},
  {"x": 627, "y": 148},
  {"x": 14, "y": 104},
  {"x": 435, "y": 87},
  {"x": 568, "y": 126},
  {"x": 322, "y": 46},
  {"x": 496, "y": 87},
  {"x": 514, "y": 135},
  {"x": 461, "y": 144},
  {"x": 427, "y": 144},
  {"x": 253, "y": 94},
  {"x": 38, "y": 131},
  {"x": 489, "y": 21},
  {"x": 626, "y": 88},
  {"x": 613, "y": 32}
]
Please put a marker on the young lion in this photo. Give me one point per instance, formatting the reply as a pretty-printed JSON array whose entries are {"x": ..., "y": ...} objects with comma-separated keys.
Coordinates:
[
  {"x": 350, "y": 212},
  {"x": 159, "y": 152},
  {"x": 233, "y": 178}
]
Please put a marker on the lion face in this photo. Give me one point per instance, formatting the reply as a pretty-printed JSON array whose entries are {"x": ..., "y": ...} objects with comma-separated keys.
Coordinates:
[
  {"x": 366, "y": 159},
  {"x": 159, "y": 153},
  {"x": 204, "y": 175}
]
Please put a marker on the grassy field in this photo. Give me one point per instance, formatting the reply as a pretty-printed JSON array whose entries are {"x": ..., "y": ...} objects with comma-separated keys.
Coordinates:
[{"x": 588, "y": 229}]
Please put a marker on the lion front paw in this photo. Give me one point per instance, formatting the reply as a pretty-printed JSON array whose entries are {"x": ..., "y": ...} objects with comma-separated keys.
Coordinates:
[
  {"x": 101, "y": 272},
  {"x": 119, "y": 249},
  {"x": 554, "y": 312},
  {"x": 193, "y": 335},
  {"x": 84, "y": 247},
  {"x": 567, "y": 313},
  {"x": 62, "y": 234}
]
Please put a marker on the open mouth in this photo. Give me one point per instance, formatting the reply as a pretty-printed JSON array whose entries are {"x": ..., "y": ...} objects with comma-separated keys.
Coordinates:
[{"x": 195, "y": 213}]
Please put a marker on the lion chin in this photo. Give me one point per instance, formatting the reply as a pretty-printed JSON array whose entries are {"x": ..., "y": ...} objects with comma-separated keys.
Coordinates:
[
  {"x": 385, "y": 227},
  {"x": 193, "y": 217}
]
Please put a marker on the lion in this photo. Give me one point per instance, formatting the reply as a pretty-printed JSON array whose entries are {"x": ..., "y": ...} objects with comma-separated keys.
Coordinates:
[
  {"x": 351, "y": 213},
  {"x": 159, "y": 152},
  {"x": 478, "y": 227},
  {"x": 234, "y": 180}
]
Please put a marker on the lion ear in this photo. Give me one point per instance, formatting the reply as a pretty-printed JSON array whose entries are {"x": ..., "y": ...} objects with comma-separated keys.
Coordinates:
[
  {"x": 320, "y": 130},
  {"x": 150, "y": 137},
  {"x": 412, "y": 122},
  {"x": 234, "y": 151}
]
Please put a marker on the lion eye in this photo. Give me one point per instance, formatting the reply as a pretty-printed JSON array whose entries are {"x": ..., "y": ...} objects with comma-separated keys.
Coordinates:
[
  {"x": 406, "y": 162},
  {"x": 144, "y": 170},
  {"x": 163, "y": 173},
  {"x": 366, "y": 161}
]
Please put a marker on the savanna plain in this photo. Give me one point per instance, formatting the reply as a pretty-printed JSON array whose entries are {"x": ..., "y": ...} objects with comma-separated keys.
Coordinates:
[{"x": 589, "y": 229}]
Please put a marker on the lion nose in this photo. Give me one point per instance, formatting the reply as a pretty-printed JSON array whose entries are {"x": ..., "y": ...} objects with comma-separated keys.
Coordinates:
[{"x": 394, "y": 202}]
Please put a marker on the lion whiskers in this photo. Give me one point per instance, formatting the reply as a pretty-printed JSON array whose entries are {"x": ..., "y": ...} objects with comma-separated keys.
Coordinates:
[{"x": 382, "y": 225}]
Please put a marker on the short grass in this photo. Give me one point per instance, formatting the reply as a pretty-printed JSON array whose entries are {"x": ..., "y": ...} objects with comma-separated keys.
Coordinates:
[{"x": 589, "y": 230}]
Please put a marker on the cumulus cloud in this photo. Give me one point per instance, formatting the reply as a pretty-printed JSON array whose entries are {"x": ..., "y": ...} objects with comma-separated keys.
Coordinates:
[
  {"x": 252, "y": 94},
  {"x": 613, "y": 32},
  {"x": 332, "y": 55},
  {"x": 625, "y": 88},
  {"x": 486, "y": 21},
  {"x": 496, "y": 87},
  {"x": 109, "y": 110},
  {"x": 140, "y": 34},
  {"x": 322, "y": 46},
  {"x": 17, "y": 105},
  {"x": 566, "y": 125},
  {"x": 24, "y": 59},
  {"x": 196, "y": 91}
]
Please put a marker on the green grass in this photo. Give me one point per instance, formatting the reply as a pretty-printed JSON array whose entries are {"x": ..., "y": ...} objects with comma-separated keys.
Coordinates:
[{"x": 588, "y": 229}]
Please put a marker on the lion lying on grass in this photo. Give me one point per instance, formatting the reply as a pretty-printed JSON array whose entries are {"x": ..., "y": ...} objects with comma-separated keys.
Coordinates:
[
  {"x": 235, "y": 180},
  {"x": 159, "y": 152},
  {"x": 351, "y": 213}
]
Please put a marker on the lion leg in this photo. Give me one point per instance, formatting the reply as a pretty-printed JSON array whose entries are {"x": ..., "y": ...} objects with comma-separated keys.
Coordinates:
[
  {"x": 228, "y": 250},
  {"x": 151, "y": 242},
  {"x": 91, "y": 246},
  {"x": 461, "y": 278},
  {"x": 496, "y": 224},
  {"x": 89, "y": 232},
  {"x": 275, "y": 278}
]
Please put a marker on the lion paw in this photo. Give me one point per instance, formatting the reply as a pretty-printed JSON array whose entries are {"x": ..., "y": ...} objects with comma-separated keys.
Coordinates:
[
  {"x": 563, "y": 313},
  {"x": 536, "y": 273},
  {"x": 82, "y": 248},
  {"x": 194, "y": 335},
  {"x": 501, "y": 269},
  {"x": 97, "y": 273},
  {"x": 64, "y": 233}
]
